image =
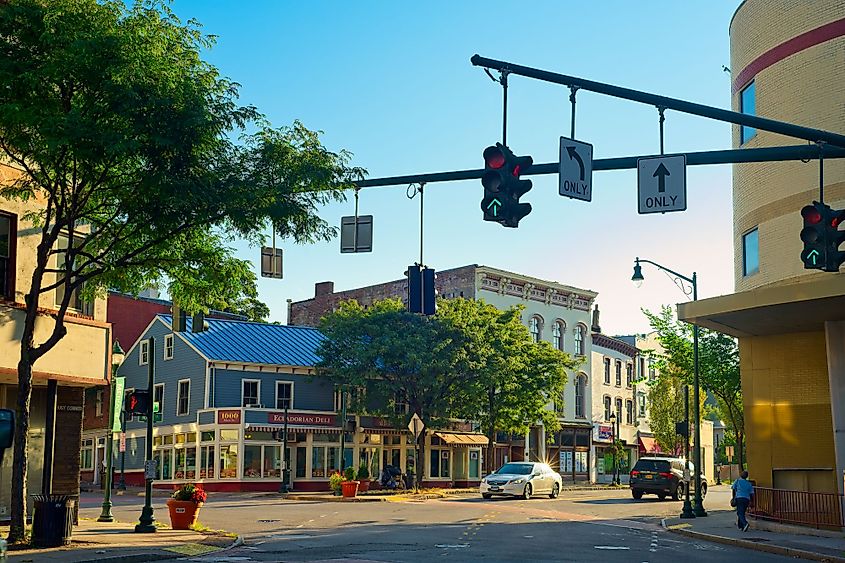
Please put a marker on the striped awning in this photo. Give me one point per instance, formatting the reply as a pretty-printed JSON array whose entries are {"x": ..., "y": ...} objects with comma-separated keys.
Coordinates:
[
  {"x": 384, "y": 431},
  {"x": 463, "y": 438},
  {"x": 292, "y": 429}
]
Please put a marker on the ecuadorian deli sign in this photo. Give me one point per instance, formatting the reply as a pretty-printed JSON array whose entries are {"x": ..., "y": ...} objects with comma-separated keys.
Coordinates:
[{"x": 302, "y": 419}]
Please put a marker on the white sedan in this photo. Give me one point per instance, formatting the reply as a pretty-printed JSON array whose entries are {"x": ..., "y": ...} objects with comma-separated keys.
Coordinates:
[{"x": 522, "y": 479}]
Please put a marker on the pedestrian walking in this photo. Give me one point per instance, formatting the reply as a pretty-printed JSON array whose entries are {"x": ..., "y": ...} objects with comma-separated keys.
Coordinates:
[{"x": 742, "y": 490}]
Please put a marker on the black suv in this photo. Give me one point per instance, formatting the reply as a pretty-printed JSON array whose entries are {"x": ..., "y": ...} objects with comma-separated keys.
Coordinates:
[{"x": 661, "y": 476}]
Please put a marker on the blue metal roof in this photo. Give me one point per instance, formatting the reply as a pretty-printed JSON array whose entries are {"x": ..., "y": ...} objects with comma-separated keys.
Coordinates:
[{"x": 254, "y": 343}]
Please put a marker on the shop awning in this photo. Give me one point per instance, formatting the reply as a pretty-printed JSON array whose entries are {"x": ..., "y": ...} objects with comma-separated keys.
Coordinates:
[
  {"x": 293, "y": 429},
  {"x": 384, "y": 431},
  {"x": 648, "y": 445},
  {"x": 462, "y": 438}
]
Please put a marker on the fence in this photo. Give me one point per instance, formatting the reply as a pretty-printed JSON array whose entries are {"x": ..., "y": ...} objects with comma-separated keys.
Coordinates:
[{"x": 819, "y": 510}]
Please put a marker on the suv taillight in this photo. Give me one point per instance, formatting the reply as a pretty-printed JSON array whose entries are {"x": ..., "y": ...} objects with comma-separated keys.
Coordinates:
[
  {"x": 634, "y": 473},
  {"x": 665, "y": 474}
]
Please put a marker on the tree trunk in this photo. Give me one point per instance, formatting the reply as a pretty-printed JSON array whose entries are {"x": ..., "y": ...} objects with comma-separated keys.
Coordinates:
[
  {"x": 17, "y": 529},
  {"x": 490, "y": 459},
  {"x": 740, "y": 440}
]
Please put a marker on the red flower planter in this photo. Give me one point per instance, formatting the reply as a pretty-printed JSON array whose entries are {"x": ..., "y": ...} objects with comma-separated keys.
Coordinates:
[
  {"x": 364, "y": 485},
  {"x": 349, "y": 488},
  {"x": 183, "y": 513}
]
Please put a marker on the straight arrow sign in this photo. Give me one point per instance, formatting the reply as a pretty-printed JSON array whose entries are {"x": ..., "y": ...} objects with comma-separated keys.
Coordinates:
[
  {"x": 662, "y": 184},
  {"x": 661, "y": 174}
]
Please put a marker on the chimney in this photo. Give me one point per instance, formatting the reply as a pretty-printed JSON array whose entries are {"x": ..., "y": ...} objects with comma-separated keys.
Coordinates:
[
  {"x": 596, "y": 328},
  {"x": 179, "y": 319},
  {"x": 198, "y": 322},
  {"x": 323, "y": 288}
]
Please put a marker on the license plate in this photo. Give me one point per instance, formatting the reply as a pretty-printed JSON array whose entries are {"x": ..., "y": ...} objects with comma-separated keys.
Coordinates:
[
  {"x": 494, "y": 488},
  {"x": 649, "y": 476}
]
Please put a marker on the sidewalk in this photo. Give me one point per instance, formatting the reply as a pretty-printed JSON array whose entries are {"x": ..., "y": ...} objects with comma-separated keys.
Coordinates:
[
  {"x": 102, "y": 542},
  {"x": 781, "y": 539}
]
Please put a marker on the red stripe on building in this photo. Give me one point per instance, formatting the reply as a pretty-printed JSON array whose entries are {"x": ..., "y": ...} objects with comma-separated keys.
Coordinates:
[{"x": 796, "y": 44}]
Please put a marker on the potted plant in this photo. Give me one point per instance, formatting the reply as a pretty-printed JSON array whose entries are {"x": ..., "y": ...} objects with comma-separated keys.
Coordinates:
[
  {"x": 349, "y": 485},
  {"x": 184, "y": 506},
  {"x": 335, "y": 482},
  {"x": 363, "y": 478}
]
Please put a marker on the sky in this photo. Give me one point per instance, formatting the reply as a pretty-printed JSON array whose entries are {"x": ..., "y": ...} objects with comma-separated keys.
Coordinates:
[{"x": 392, "y": 83}]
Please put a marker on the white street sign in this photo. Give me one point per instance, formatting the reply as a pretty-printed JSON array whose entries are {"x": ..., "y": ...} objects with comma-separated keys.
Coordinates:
[
  {"x": 416, "y": 425},
  {"x": 662, "y": 184},
  {"x": 576, "y": 169}
]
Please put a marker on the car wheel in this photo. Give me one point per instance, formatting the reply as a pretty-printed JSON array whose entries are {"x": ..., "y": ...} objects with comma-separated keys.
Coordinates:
[
  {"x": 678, "y": 492},
  {"x": 555, "y": 491},
  {"x": 636, "y": 494},
  {"x": 703, "y": 490},
  {"x": 486, "y": 495},
  {"x": 526, "y": 493}
]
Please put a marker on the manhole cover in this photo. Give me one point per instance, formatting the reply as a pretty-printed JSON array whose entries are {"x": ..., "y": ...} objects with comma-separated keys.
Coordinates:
[{"x": 267, "y": 521}]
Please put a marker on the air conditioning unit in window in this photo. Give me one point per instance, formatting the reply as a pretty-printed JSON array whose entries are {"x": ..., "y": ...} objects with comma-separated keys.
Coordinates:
[{"x": 255, "y": 406}]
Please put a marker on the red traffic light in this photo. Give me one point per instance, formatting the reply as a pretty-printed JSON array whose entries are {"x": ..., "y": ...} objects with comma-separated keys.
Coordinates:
[
  {"x": 133, "y": 402},
  {"x": 811, "y": 215},
  {"x": 494, "y": 158}
]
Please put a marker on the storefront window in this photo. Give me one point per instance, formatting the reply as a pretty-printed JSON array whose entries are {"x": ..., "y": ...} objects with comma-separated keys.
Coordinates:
[
  {"x": 318, "y": 462},
  {"x": 229, "y": 435},
  {"x": 580, "y": 462},
  {"x": 180, "y": 438},
  {"x": 180, "y": 464},
  {"x": 252, "y": 462},
  {"x": 369, "y": 457},
  {"x": 272, "y": 461},
  {"x": 167, "y": 464},
  {"x": 157, "y": 459},
  {"x": 228, "y": 460},
  {"x": 207, "y": 436},
  {"x": 439, "y": 466},
  {"x": 206, "y": 462},
  {"x": 262, "y": 436},
  {"x": 156, "y": 441},
  {"x": 167, "y": 440},
  {"x": 300, "y": 462}
]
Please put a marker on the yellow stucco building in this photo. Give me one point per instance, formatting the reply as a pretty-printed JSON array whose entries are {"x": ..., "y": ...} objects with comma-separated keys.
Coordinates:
[{"x": 787, "y": 63}]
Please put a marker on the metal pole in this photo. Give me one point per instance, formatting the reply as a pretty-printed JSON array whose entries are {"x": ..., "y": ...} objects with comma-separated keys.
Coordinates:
[
  {"x": 121, "y": 485},
  {"x": 699, "y": 501},
  {"x": 701, "y": 110},
  {"x": 285, "y": 456},
  {"x": 686, "y": 511},
  {"x": 719, "y": 465},
  {"x": 618, "y": 437},
  {"x": 106, "y": 515},
  {"x": 342, "y": 430},
  {"x": 146, "y": 523}
]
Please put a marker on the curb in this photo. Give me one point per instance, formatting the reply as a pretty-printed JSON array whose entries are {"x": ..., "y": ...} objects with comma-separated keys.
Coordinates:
[
  {"x": 774, "y": 549},
  {"x": 329, "y": 498},
  {"x": 142, "y": 557}
]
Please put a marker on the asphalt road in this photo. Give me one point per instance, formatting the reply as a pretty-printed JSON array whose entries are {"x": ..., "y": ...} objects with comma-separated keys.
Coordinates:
[{"x": 605, "y": 526}]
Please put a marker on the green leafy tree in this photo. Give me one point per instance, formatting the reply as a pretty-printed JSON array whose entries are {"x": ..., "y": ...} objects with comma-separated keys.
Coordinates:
[
  {"x": 666, "y": 407},
  {"x": 129, "y": 146},
  {"x": 718, "y": 366},
  {"x": 511, "y": 379}
]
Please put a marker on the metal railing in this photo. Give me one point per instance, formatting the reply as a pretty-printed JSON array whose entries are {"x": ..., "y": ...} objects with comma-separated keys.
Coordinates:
[{"x": 819, "y": 510}]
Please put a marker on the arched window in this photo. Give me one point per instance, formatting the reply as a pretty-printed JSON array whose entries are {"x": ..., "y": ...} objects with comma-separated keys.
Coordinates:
[
  {"x": 580, "y": 396},
  {"x": 579, "y": 340},
  {"x": 558, "y": 330},
  {"x": 619, "y": 409},
  {"x": 535, "y": 326},
  {"x": 606, "y": 407},
  {"x": 629, "y": 411}
]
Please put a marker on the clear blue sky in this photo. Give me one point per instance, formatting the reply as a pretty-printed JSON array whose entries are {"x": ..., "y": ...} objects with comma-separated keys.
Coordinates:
[{"x": 392, "y": 83}]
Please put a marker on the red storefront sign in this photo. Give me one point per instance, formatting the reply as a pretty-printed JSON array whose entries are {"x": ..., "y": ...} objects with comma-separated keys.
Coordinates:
[
  {"x": 229, "y": 416},
  {"x": 302, "y": 419}
]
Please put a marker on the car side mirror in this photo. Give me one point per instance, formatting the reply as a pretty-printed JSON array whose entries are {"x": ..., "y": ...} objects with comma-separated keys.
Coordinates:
[{"x": 7, "y": 428}]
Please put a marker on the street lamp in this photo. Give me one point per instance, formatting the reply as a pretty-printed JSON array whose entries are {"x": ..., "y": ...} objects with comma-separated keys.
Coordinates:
[
  {"x": 613, "y": 436},
  {"x": 637, "y": 278},
  {"x": 117, "y": 356}
]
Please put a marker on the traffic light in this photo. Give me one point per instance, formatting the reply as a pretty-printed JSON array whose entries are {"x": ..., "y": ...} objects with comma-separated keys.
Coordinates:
[
  {"x": 138, "y": 402},
  {"x": 421, "y": 292},
  {"x": 821, "y": 237},
  {"x": 503, "y": 187}
]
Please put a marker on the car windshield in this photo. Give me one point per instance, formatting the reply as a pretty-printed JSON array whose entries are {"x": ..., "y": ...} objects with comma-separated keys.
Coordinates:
[
  {"x": 516, "y": 469},
  {"x": 652, "y": 465}
]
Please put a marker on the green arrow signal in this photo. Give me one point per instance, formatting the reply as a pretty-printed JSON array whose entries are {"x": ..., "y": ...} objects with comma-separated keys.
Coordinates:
[
  {"x": 813, "y": 254},
  {"x": 495, "y": 204}
]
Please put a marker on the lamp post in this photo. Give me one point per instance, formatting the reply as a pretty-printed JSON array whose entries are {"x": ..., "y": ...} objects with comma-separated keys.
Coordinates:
[
  {"x": 121, "y": 485},
  {"x": 116, "y": 359},
  {"x": 637, "y": 278},
  {"x": 613, "y": 442},
  {"x": 718, "y": 463}
]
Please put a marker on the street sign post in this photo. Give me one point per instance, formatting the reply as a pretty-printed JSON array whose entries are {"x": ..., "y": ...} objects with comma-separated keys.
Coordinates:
[
  {"x": 662, "y": 184},
  {"x": 576, "y": 169},
  {"x": 416, "y": 425}
]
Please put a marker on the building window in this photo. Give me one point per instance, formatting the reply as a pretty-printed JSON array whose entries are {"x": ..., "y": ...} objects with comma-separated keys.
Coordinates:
[
  {"x": 284, "y": 395},
  {"x": 75, "y": 302},
  {"x": 748, "y": 106},
  {"x": 606, "y": 408},
  {"x": 558, "y": 330},
  {"x": 641, "y": 406},
  {"x": 559, "y": 403},
  {"x": 618, "y": 373},
  {"x": 750, "y": 252},
  {"x": 400, "y": 403},
  {"x": 579, "y": 340},
  {"x": 607, "y": 371},
  {"x": 8, "y": 236},
  {"x": 98, "y": 402},
  {"x": 629, "y": 411},
  {"x": 535, "y": 326},
  {"x": 641, "y": 374},
  {"x": 250, "y": 393},
  {"x": 580, "y": 396},
  {"x": 86, "y": 455},
  {"x": 619, "y": 410},
  {"x": 183, "y": 398},
  {"x": 168, "y": 347},
  {"x": 629, "y": 374},
  {"x": 439, "y": 466},
  {"x": 651, "y": 373},
  {"x": 144, "y": 353},
  {"x": 158, "y": 397}
]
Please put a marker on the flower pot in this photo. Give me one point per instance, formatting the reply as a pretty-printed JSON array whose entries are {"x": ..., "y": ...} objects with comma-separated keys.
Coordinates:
[
  {"x": 349, "y": 488},
  {"x": 183, "y": 513},
  {"x": 364, "y": 485}
]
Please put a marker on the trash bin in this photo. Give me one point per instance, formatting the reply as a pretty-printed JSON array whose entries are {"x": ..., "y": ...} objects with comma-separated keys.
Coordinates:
[{"x": 52, "y": 522}]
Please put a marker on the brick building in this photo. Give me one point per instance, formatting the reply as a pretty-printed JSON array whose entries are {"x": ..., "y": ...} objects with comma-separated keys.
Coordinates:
[{"x": 554, "y": 312}]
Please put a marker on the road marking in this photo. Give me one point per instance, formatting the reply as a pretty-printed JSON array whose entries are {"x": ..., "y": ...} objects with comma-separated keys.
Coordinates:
[
  {"x": 612, "y": 547},
  {"x": 451, "y": 545}
]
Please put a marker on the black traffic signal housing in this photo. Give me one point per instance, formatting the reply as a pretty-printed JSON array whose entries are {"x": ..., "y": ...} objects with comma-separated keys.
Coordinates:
[
  {"x": 503, "y": 186},
  {"x": 821, "y": 237},
  {"x": 421, "y": 292},
  {"x": 138, "y": 402}
]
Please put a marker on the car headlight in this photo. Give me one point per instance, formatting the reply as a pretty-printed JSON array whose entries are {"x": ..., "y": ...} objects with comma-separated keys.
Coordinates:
[{"x": 518, "y": 481}]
